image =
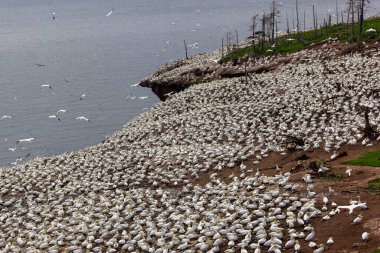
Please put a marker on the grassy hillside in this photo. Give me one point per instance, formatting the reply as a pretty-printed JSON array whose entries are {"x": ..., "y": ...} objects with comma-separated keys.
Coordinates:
[{"x": 290, "y": 43}]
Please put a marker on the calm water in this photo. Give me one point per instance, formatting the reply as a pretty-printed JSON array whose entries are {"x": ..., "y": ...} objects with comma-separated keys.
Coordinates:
[{"x": 84, "y": 51}]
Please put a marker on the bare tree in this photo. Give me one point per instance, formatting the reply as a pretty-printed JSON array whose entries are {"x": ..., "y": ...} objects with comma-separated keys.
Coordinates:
[
  {"x": 274, "y": 13},
  {"x": 253, "y": 29},
  {"x": 263, "y": 23},
  {"x": 352, "y": 2},
  {"x": 304, "y": 20},
  {"x": 314, "y": 22},
  {"x": 298, "y": 23},
  {"x": 287, "y": 24},
  {"x": 362, "y": 6},
  {"x": 222, "y": 47},
  {"x": 337, "y": 12},
  {"x": 184, "y": 43},
  {"x": 237, "y": 39}
]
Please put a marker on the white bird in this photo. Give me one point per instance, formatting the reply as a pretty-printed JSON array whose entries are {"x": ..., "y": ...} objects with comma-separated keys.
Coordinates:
[
  {"x": 370, "y": 30},
  {"x": 307, "y": 178},
  {"x": 325, "y": 200},
  {"x": 352, "y": 207},
  {"x": 334, "y": 156},
  {"x": 13, "y": 148},
  {"x": 330, "y": 241},
  {"x": 365, "y": 236},
  {"x": 348, "y": 172},
  {"x": 25, "y": 140},
  {"x": 143, "y": 97},
  {"x": 130, "y": 96},
  {"x": 83, "y": 118},
  {"x": 5, "y": 117},
  {"x": 290, "y": 243},
  {"x": 82, "y": 96},
  {"x": 297, "y": 246},
  {"x": 55, "y": 117},
  {"x": 310, "y": 236},
  {"x": 109, "y": 13},
  {"x": 323, "y": 169},
  {"x": 320, "y": 249},
  {"x": 331, "y": 190},
  {"x": 46, "y": 86},
  {"x": 312, "y": 244},
  {"x": 134, "y": 85},
  {"x": 60, "y": 111},
  {"x": 358, "y": 220}
]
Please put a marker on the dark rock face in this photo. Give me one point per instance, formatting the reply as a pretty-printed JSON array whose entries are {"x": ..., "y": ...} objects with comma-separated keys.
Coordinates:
[
  {"x": 162, "y": 87},
  {"x": 163, "y": 92}
]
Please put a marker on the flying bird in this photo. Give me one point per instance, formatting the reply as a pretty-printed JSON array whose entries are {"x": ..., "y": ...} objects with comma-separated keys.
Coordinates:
[
  {"x": 25, "y": 140},
  {"x": 60, "y": 111},
  {"x": 83, "y": 118},
  {"x": 46, "y": 86},
  {"x": 82, "y": 96},
  {"x": 130, "y": 96},
  {"x": 143, "y": 97},
  {"x": 109, "y": 13},
  {"x": 134, "y": 85},
  {"x": 5, "y": 117},
  {"x": 54, "y": 117},
  {"x": 40, "y": 65}
]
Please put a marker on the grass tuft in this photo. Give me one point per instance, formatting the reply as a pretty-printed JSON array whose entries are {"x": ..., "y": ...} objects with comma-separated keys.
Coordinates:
[
  {"x": 370, "y": 159},
  {"x": 334, "y": 177},
  {"x": 374, "y": 185}
]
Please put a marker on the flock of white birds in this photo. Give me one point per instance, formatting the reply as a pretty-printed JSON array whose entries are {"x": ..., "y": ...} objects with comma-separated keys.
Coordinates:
[{"x": 137, "y": 191}]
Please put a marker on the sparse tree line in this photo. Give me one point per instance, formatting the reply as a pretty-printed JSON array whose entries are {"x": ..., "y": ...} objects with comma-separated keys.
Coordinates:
[{"x": 264, "y": 26}]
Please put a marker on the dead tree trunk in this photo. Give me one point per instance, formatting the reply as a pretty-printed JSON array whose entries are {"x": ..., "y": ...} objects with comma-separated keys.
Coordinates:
[
  {"x": 184, "y": 43},
  {"x": 361, "y": 19},
  {"x": 298, "y": 23}
]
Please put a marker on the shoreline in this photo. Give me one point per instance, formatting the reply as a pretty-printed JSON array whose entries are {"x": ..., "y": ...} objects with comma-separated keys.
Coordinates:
[{"x": 190, "y": 174}]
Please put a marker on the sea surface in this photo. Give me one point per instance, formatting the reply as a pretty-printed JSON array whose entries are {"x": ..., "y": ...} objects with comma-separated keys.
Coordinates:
[{"x": 81, "y": 47}]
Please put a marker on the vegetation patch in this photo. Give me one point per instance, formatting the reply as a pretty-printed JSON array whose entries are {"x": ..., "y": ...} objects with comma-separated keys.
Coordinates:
[
  {"x": 334, "y": 177},
  {"x": 294, "y": 42},
  {"x": 374, "y": 185},
  {"x": 370, "y": 159}
]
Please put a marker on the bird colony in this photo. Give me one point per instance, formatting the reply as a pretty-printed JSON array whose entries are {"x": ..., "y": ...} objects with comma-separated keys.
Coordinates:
[{"x": 138, "y": 190}]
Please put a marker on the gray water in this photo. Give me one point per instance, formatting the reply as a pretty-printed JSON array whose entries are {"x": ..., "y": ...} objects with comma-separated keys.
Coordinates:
[{"x": 86, "y": 52}]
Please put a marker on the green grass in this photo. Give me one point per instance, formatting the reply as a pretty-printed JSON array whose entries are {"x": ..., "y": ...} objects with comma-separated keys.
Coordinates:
[
  {"x": 374, "y": 185},
  {"x": 308, "y": 38},
  {"x": 334, "y": 177},
  {"x": 370, "y": 159},
  {"x": 376, "y": 251}
]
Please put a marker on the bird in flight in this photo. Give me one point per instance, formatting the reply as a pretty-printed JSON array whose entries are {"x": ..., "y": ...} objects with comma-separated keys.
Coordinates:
[
  {"x": 109, "y": 13},
  {"x": 82, "y": 96},
  {"x": 130, "y": 96},
  {"x": 56, "y": 115},
  {"x": 143, "y": 97},
  {"x": 134, "y": 85},
  {"x": 5, "y": 117},
  {"x": 83, "y": 118},
  {"x": 25, "y": 140},
  {"x": 46, "y": 86},
  {"x": 40, "y": 65}
]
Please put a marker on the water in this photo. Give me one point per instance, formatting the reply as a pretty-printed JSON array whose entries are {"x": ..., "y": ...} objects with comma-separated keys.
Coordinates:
[{"x": 85, "y": 52}]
